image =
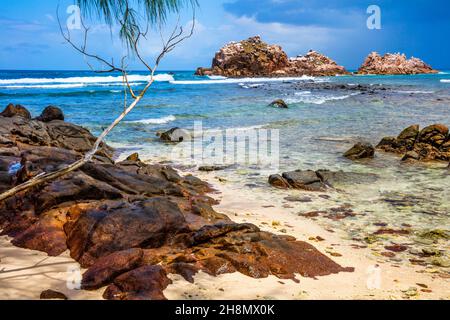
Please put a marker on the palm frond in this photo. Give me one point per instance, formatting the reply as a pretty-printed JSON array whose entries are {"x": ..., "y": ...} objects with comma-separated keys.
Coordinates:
[{"x": 131, "y": 15}]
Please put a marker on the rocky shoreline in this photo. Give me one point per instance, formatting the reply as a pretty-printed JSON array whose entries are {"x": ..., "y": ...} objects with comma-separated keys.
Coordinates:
[
  {"x": 130, "y": 223},
  {"x": 255, "y": 58}
]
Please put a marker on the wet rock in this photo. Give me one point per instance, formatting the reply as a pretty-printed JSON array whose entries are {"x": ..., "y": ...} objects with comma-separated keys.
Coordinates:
[
  {"x": 360, "y": 151},
  {"x": 144, "y": 283},
  {"x": 279, "y": 104},
  {"x": 298, "y": 199},
  {"x": 253, "y": 57},
  {"x": 133, "y": 157},
  {"x": 304, "y": 180},
  {"x": 319, "y": 180},
  {"x": 51, "y": 113},
  {"x": 109, "y": 267},
  {"x": 15, "y": 110},
  {"x": 51, "y": 295},
  {"x": 212, "y": 168},
  {"x": 411, "y": 155},
  {"x": 393, "y": 64},
  {"x": 278, "y": 182},
  {"x": 431, "y": 143},
  {"x": 396, "y": 248},
  {"x": 175, "y": 135}
]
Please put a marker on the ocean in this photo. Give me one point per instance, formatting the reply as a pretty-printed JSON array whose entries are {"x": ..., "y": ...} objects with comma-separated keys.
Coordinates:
[{"x": 326, "y": 116}]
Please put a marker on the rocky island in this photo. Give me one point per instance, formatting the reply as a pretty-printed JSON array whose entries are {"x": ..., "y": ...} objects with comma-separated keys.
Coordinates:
[
  {"x": 255, "y": 58},
  {"x": 394, "y": 64}
]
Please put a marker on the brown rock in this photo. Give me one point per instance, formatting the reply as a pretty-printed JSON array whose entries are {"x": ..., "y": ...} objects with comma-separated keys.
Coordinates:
[
  {"x": 278, "y": 182},
  {"x": 253, "y": 58},
  {"x": 393, "y": 64},
  {"x": 360, "y": 151},
  {"x": 279, "y": 104},
  {"x": 51, "y": 294},
  {"x": 144, "y": 283},
  {"x": 107, "y": 268},
  {"x": 51, "y": 113},
  {"x": 15, "y": 110}
]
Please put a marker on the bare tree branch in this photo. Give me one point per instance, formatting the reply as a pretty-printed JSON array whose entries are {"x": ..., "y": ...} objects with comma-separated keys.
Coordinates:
[{"x": 175, "y": 38}]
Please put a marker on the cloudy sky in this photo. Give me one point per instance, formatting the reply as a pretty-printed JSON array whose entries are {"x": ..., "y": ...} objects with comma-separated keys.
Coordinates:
[{"x": 30, "y": 39}]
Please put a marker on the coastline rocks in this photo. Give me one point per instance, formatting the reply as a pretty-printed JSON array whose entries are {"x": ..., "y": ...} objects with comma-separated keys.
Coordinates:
[
  {"x": 175, "y": 135},
  {"x": 51, "y": 113},
  {"x": 130, "y": 223},
  {"x": 15, "y": 110},
  {"x": 319, "y": 180},
  {"x": 279, "y": 104},
  {"x": 431, "y": 143},
  {"x": 314, "y": 64},
  {"x": 392, "y": 64},
  {"x": 360, "y": 151},
  {"x": 255, "y": 58}
]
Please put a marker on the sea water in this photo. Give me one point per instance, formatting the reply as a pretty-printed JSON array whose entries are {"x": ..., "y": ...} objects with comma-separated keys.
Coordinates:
[{"x": 326, "y": 116}]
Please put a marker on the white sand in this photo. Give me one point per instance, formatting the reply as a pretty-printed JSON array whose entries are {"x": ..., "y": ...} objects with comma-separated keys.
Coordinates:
[{"x": 24, "y": 274}]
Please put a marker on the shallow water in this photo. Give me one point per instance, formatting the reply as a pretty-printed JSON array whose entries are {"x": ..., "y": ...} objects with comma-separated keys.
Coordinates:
[{"x": 325, "y": 117}]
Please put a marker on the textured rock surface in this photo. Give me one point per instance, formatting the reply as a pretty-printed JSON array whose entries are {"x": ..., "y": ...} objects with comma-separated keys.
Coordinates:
[
  {"x": 51, "y": 113},
  {"x": 430, "y": 143},
  {"x": 393, "y": 64},
  {"x": 320, "y": 180},
  {"x": 360, "y": 151},
  {"x": 253, "y": 57},
  {"x": 131, "y": 224}
]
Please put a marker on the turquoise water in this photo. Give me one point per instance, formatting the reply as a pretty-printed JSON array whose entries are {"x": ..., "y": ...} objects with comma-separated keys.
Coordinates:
[{"x": 325, "y": 117}]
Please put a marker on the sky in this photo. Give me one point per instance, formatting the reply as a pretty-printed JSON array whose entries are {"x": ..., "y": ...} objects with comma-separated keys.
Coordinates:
[{"x": 30, "y": 38}]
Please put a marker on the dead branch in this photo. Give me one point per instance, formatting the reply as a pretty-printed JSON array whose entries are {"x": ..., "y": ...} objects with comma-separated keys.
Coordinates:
[{"x": 175, "y": 38}]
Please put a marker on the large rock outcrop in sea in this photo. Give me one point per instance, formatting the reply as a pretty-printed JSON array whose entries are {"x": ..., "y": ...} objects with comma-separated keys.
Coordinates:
[
  {"x": 131, "y": 224},
  {"x": 394, "y": 64},
  {"x": 430, "y": 143},
  {"x": 255, "y": 58}
]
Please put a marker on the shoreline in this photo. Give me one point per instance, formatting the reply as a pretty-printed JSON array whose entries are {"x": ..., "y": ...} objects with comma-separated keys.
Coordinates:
[{"x": 396, "y": 283}]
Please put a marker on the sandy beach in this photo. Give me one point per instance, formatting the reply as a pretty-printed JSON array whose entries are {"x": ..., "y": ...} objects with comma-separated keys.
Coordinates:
[{"x": 24, "y": 274}]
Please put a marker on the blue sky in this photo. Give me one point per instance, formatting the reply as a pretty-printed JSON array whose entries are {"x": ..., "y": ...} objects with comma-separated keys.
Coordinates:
[{"x": 30, "y": 39}]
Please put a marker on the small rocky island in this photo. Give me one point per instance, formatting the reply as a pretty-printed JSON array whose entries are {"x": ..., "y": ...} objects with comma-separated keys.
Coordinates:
[
  {"x": 394, "y": 64},
  {"x": 255, "y": 58},
  {"x": 130, "y": 224}
]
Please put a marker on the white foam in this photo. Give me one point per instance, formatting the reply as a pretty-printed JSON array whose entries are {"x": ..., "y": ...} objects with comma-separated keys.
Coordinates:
[
  {"x": 445, "y": 80},
  {"x": 415, "y": 91},
  {"x": 217, "y": 77},
  {"x": 244, "y": 80},
  {"x": 306, "y": 97},
  {"x": 155, "y": 120},
  {"x": 45, "y": 86},
  {"x": 86, "y": 80}
]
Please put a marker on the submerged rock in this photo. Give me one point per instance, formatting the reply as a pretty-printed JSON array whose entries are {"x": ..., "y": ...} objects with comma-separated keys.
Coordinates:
[
  {"x": 319, "y": 180},
  {"x": 360, "y": 151},
  {"x": 253, "y": 57},
  {"x": 393, "y": 64},
  {"x": 279, "y": 104},
  {"x": 175, "y": 135}
]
